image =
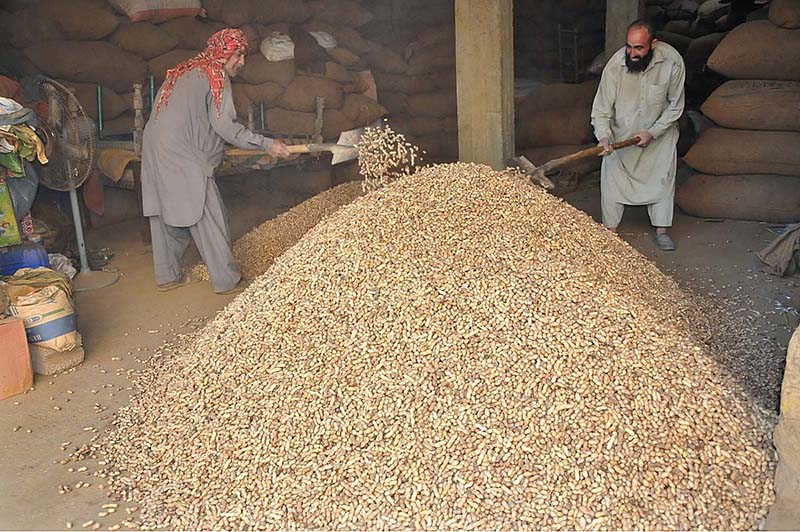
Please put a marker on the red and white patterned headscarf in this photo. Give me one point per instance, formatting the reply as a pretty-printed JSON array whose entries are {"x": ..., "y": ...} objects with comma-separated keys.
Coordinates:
[{"x": 219, "y": 48}]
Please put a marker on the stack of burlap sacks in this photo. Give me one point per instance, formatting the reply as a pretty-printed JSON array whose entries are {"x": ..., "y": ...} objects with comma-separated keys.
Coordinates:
[
  {"x": 695, "y": 28},
  {"x": 87, "y": 42},
  {"x": 536, "y": 34},
  {"x": 749, "y": 166},
  {"x": 414, "y": 70}
]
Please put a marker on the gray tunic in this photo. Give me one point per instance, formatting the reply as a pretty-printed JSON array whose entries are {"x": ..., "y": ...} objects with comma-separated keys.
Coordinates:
[
  {"x": 627, "y": 103},
  {"x": 183, "y": 145}
]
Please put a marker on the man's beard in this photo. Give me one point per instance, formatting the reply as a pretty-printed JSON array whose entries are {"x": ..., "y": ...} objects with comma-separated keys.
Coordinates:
[{"x": 641, "y": 64}]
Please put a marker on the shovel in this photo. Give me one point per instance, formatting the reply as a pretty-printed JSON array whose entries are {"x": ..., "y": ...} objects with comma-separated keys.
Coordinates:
[
  {"x": 343, "y": 150},
  {"x": 539, "y": 173}
]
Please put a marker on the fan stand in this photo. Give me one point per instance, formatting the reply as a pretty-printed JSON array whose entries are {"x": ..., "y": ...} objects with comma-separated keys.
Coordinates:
[{"x": 86, "y": 279}]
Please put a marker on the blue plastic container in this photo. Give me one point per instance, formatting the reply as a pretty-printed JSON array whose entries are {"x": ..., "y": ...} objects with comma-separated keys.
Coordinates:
[{"x": 25, "y": 255}]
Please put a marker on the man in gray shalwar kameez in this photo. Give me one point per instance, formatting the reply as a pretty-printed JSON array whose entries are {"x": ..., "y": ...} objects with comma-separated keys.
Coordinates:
[
  {"x": 641, "y": 94},
  {"x": 183, "y": 143}
]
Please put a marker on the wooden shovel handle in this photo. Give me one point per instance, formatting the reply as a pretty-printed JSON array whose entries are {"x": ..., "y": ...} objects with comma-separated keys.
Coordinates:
[
  {"x": 293, "y": 148},
  {"x": 588, "y": 152}
]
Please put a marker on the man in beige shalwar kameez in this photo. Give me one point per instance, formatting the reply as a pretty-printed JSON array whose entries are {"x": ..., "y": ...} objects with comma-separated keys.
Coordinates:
[{"x": 641, "y": 94}]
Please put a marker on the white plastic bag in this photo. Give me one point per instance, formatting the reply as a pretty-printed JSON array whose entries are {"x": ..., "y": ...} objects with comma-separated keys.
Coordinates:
[
  {"x": 277, "y": 47},
  {"x": 324, "y": 39}
]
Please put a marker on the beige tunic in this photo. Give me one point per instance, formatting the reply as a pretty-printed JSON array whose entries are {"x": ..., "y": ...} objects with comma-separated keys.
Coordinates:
[{"x": 629, "y": 102}]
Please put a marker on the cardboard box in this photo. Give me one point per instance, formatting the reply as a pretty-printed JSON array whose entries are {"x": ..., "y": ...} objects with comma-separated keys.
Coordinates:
[
  {"x": 16, "y": 371},
  {"x": 9, "y": 229}
]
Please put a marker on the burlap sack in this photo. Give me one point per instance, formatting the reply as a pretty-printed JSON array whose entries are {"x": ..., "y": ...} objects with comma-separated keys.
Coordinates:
[
  {"x": 437, "y": 35},
  {"x": 384, "y": 59},
  {"x": 236, "y": 13},
  {"x": 121, "y": 125},
  {"x": 343, "y": 56},
  {"x": 677, "y": 40},
  {"x": 158, "y": 66},
  {"x": 268, "y": 92},
  {"x": 144, "y": 39},
  {"x": 257, "y": 70},
  {"x": 15, "y": 63},
  {"x": 785, "y": 13},
  {"x": 711, "y": 10},
  {"x": 439, "y": 103},
  {"x": 98, "y": 62},
  {"x": 346, "y": 37},
  {"x": 405, "y": 84},
  {"x": 557, "y": 95},
  {"x": 752, "y": 104},
  {"x": 539, "y": 156},
  {"x": 337, "y": 72},
  {"x": 759, "y": 14},
  {"x": 341, "y": 12},
  {"x": 86, "y": 93},
  {"x": 445, "y": 79},
  {"x": 554, "y": 126},
  {"x": 158, "y": 10},
  {"x": 241, "y": 100},
  {"x": 432, "y": 59},
  {"x": 301, "y": 94},
  {"x": 334, "y": 122},
  {"x": 758, "y": 50},
  {"x": 191, "y": 33},
  {"x": 60, "y": 19},
  {"x": 421, "y": 126},
  {"x": 682, "y": 10},
  {"x": 686, "y": 27},
  {"x": 700, "y": 50},
  {"x": 722, "y": 151},
  {"x": 253, "y": 39},
  {"x": 760, "y": 198},
  {"x": 290, "y": 122},
  {"x": 394, "y": 102},
  {"x": 362, "y": 110}
]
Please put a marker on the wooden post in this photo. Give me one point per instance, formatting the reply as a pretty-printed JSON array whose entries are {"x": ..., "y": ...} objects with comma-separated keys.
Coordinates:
[
  {"x": 485, "y": 81},
  {"x": 619, "y": 15}
]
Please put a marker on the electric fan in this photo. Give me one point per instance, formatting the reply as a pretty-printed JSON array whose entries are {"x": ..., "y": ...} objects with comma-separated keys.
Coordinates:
[{"x": 71, "y": 147}]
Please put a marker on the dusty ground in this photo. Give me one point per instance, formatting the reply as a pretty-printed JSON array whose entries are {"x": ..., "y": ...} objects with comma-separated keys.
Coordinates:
[{"x": 123, "y": 324}]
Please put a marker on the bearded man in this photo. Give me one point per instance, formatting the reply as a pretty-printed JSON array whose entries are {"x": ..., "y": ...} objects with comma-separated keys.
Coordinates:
[
  {"x": 641, "y": 93},
  {"x": 183, "y": 143}
]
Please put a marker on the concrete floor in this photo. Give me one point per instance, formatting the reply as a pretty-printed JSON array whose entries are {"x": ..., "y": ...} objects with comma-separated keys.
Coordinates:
[{"x": 123, "y": 324}]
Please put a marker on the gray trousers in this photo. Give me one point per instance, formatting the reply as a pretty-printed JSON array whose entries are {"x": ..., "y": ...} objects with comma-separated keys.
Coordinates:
[{"x": 210, "y": 234}]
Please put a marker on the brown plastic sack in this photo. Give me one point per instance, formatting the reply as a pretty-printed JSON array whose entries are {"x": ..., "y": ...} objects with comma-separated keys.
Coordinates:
[
  {"x": 341, "y": 12},
  {"x": 758, "y": 50},
  {"x": 301, "y": 94},
  {"x": 343, "y": 56},
  {"x": 258, "y": 70},
  {"x": 384, "y": 59},
  {"x": 98, "y": 62},
  {"x": 760, "y": 198},
  {"x": 555, "y": 126},
  {"x": 268, "y": 92},
  {"x": 236, "y": 13},
  {"x": 290, "y": 122},
  {"x": 158, "y": 66},
  {"x": 432, "y": 59},
  {"x": 191, "y": 33},
  {"x": 144, "y": 39},
  {"x": 362, "y": 110},
  {"x": 700, "y": 50},
  {"x": 86, "y": 93},
  {"x": 785, "y": 13},
  {"x": 439, "y": 103},
  {"x": 754, "y": 104},
  {"x": 722, "y": 151}
]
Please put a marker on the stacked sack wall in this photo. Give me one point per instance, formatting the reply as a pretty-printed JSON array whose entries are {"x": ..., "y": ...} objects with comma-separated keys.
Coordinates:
[
  {"x": 88, "y": 42},
  {"x": 748, "y": 167}
]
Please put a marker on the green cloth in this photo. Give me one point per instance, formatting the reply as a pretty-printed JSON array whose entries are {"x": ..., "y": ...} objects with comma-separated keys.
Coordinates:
[{"x": 13, "y": 162}]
